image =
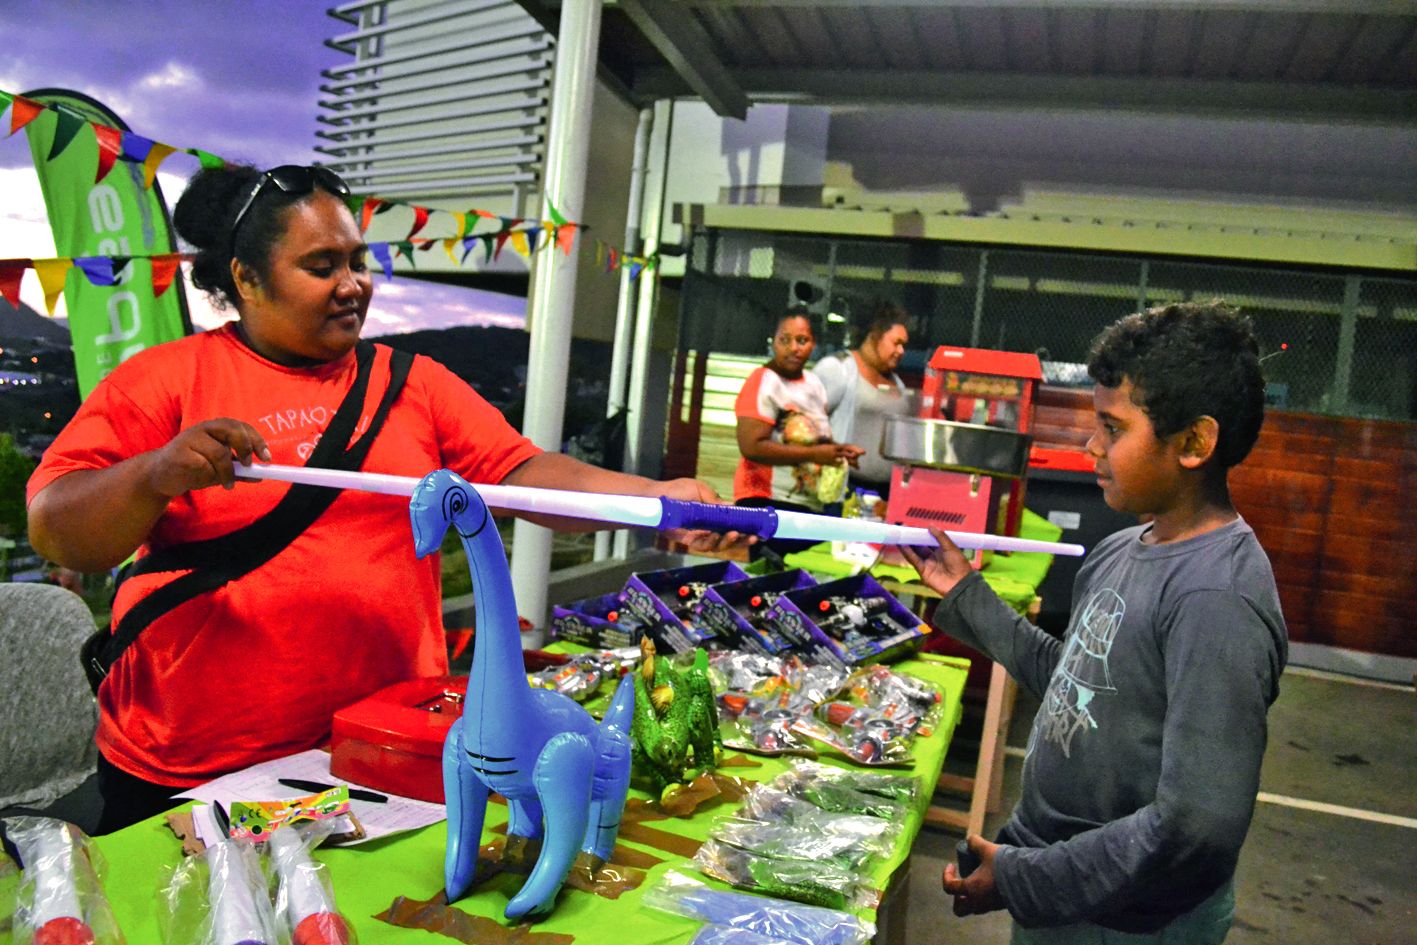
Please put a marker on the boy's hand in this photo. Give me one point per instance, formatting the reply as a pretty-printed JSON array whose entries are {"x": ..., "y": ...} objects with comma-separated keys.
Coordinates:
[
  {"x": 976, "y": 893},
  {"x": 943, "y": 568}
]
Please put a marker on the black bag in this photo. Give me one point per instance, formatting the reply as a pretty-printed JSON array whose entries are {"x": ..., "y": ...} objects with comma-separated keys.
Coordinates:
[{"x": 214, "y": 562}]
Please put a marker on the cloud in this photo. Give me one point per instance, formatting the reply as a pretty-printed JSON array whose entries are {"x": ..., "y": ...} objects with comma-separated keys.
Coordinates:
[{"x": 174, "y": 75}]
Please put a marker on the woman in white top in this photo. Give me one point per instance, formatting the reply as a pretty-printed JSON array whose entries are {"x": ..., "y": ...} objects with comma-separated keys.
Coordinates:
[
  {"x": 863, "y": 389},
  {"x": 784, "y": 435}
]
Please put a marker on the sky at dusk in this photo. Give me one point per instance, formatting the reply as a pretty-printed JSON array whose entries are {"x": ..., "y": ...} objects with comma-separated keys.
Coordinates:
[{"x": 239, "y": 78}]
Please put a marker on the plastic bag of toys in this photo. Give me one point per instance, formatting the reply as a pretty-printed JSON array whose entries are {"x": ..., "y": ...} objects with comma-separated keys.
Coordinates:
[
  {"x": 819, "y": 884},
  {"x": 770, "y": 805},
  {"x": 60, "y": 896},
  {"x": 770, "y": 920},
  {"x": 850, "y": 792},
  {"x": 221, "y": 896}
]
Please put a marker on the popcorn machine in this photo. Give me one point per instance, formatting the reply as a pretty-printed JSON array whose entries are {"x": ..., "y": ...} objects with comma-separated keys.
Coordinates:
[{"x": 961, "y": 463}]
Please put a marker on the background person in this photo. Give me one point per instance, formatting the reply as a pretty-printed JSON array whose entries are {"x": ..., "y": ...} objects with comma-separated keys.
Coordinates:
[
  {"x": 784, "y": 435},
  {"x": 1144, "y": 760},
  {"x": 256, "y": 669},
  {"x": 863, "y": 389}
]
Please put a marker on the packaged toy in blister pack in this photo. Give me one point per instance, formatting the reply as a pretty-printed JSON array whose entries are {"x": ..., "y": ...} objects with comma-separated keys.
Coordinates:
[
  {"x": 769, "y": 805},
  {"x": 667, "y": 604},
  {"x": 773, "y": 920},
  {"x": 820, "y": 884},
  {"x": 60, "y": 895}
]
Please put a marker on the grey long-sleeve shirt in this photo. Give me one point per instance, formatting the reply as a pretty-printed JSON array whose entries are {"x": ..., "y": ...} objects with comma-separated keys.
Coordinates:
[{"x": 1144, "y": 760}]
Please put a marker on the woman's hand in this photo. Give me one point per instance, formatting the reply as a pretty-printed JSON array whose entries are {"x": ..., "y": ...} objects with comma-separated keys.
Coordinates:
[
  {"x": 201, "y": 456},
  {"x": 977, "y": 892},
  {"x": 829, "y": 454},
  {"x": 943, "y": 568}
]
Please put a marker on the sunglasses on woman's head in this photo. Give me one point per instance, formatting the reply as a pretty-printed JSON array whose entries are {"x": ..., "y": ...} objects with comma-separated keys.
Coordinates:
[{"x": 295, "y": 179}]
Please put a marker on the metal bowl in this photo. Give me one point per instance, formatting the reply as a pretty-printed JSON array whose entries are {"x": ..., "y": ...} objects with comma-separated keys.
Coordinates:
[{"x": 957, "y": 447}]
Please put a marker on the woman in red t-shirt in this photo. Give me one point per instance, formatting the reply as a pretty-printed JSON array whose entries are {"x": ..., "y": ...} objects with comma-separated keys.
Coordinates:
[{"x": 255, "y": 669}]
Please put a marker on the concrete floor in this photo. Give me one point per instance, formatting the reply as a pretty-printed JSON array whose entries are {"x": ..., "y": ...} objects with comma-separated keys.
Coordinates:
[{"x": 1306, "y": 876}]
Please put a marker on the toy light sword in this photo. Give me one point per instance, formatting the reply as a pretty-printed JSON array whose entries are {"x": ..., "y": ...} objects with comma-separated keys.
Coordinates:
[{"x": 662, "y": 513}]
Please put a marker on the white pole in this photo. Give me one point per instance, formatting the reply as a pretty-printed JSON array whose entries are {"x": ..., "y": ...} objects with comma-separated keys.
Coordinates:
[
  {"x": 553, "y": 290},
  {"x": 624, "y": 309},
  {"x": 644, "y": 320}
]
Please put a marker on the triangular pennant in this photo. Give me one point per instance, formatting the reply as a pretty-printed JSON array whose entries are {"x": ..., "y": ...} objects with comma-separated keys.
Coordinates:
[
  {"x": 533, "y": 236},
  {"x": 52, "y": 273},
  {"x": 66, "y": 127},
  {"x": 207, "y": 159},
  {"x": 98, "y": 269},
  {"x": 501, "y": 239},
  {"x": 448, "y": 245},
  {"x": 614, "y": 260},
  {"x": 164, "y": 269},
  {"x": 5, "y": 99},
  {"x": 405, "y": 249},
  {"x": 110, "y": 142},
  {"x": 556, "y": 217},
  {"x": 484, "y": 214},
  {"x": 519, "y": 243},
  {"x": 487, "y": 242},
  {"x": 120, "y": 268},
  {"x": 156, "y": 156},
  {"x": 386, "y": 261},
  {"x": 636, "y": 264},
  {"x": 566, "y": 236},
  {"x": 22, "y": 112},
  {"x": 465, "y": 224},
  {"x": 467, "y": 245},
  {"x": 424, "y": 245},
  {"x": 599, "y": 251},
  {"x": 135, "y": 147},
  {"x": 11, "y": 272},
  {"x": 509, "y": 223},
  {"x": 420, "y": 219},
  {"x": 366, "y": 213}
]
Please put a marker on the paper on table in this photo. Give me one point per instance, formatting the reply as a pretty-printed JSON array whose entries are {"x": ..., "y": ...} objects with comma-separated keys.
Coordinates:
[{"x": 261, "y": 783}]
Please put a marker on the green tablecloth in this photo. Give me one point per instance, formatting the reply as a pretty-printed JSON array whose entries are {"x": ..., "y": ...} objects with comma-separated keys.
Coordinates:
[
  {"x": 1014, "y": 577},
  {"x": 369, "y": 877}
]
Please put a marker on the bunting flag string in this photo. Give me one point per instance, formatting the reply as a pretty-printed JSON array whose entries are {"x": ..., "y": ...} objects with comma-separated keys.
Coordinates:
[
  {"x": 612, "y": 259},
  {"x": 99, "y": 270},
  {"x": 115, "y": 144}
]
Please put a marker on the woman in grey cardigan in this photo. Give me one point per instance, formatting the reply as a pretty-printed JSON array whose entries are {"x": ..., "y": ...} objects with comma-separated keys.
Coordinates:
[{"x": 863, "y": 389}]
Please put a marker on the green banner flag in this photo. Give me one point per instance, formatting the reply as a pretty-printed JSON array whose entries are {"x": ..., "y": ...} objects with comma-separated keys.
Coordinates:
[{"x": 116, "y": 217}]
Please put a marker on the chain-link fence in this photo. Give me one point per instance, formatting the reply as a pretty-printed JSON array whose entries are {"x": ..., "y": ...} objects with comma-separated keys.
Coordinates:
[{"x": 1342, "y": 344}]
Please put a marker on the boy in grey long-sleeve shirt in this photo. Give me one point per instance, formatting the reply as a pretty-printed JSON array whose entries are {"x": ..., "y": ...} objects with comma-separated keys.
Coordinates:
[{"x": 1144, "y": 759}]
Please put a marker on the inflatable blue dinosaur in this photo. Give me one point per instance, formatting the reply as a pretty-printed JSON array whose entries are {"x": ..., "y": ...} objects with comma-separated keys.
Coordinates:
[{"x": 562, "y": 775}]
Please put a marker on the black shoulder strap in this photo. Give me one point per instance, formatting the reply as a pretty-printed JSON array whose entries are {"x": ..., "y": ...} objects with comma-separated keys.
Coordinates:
[{"x": 214, "y": 562}]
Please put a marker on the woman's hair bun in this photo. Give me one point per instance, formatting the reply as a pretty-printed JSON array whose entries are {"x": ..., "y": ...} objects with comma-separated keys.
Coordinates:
[{"x": 204, "y": 212}]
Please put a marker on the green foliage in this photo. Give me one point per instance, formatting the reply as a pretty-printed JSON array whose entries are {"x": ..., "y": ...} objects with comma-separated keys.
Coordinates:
[{"x": 15, "y": 469}]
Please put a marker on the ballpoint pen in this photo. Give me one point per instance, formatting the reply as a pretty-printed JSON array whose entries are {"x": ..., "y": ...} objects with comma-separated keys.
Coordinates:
[{"x": 357, "y": 794}]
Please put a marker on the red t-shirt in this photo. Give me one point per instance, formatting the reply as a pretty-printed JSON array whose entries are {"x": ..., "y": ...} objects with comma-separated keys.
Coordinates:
[{"x": 256, "y": 669}]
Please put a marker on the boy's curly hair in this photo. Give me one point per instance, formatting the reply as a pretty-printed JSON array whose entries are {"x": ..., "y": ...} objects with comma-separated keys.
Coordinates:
[{"x": 1185, "y": 361}]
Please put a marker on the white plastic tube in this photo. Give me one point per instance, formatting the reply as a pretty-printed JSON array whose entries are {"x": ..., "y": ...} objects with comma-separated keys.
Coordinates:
[{"x": 648, "y": 512}]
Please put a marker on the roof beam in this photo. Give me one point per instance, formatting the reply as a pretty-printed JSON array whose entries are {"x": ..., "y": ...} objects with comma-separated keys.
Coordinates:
[
  {"x": 689, "y": 51},
  {"x": 1225, "y": 98}
]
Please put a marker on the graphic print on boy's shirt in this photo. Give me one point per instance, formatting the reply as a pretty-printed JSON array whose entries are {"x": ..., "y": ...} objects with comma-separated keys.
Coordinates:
[{"x": 1082, "y": 673}]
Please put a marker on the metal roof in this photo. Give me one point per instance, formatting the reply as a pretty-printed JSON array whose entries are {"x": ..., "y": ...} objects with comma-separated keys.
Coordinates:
[{"x": 1345, "y": 60}]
